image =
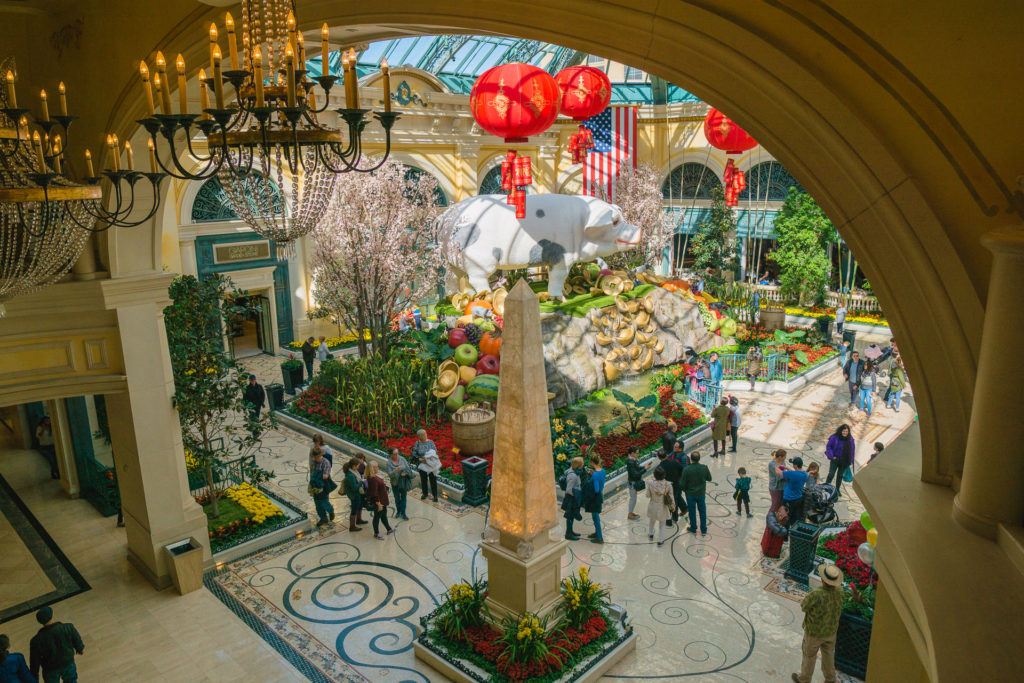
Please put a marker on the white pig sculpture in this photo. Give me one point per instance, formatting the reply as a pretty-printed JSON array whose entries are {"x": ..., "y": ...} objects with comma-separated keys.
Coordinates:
[{"x": 482, "y": 234}]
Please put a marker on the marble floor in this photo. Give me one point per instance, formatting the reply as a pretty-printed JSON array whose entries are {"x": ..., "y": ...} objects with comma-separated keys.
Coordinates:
[{"x": 336, "y": 606}]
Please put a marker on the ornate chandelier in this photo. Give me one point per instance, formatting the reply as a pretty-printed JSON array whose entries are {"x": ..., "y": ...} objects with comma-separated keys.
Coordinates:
[{"x": 270, "y": 130}]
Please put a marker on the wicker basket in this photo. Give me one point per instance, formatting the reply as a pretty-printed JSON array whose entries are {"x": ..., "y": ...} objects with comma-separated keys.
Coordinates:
[{"x": 473, "y": 430}]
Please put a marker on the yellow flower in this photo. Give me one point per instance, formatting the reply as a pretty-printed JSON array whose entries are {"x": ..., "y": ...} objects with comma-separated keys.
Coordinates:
[{"x": 562, "y": 457}]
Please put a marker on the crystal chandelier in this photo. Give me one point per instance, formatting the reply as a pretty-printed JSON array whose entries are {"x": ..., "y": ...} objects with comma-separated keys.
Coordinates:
[{"x": 269, "y": 133}]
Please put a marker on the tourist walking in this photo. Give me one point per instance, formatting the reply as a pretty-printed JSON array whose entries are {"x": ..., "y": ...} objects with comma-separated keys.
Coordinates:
[
  {"x": 673, "y": 465},
  {"x": 840, "y": 450},
  {"x": 821, "y": 608},
  {"x": 322, "y": 351},
  {"x": 720, "y": 426},
  {"x": 775, "y": 483},
  {"x": 52, "y": 650},
  {"x": 308, "y": 355},
  {"x": 669, "y": 438},
  {"x": 44, "y": 437},
  {"x": 254, "y": 398},
  {"x": 868, "y": 386},
  {"x": 572, "y": 501},
  {"x": 852, "y": 372},
  {"x": 424, "y": 455},
  {"x": 402, "y": 476},
  {"x": 634, "y": 479},
  {"x": 377, "y": 498},
  {"x": 897, "y": 383},
  {"x": 13, "y": 668},
  {"x": 321, "y": 485},
  {"x": 840, "y": 317},
  {"x": 742, "y": 490},
  {"x": 754, "y": 359},
  {"x": 695, "y": 480},
  {"x": 318, "y": 442},
  {"x": 776, "y": 531},
  {"x": 715, "y": 368},
  {"x": 734, "y": 421},
  {"x": 793, "y": 488},
  {"x": 844, "y": 351},
  {"x": 661, "y": 503},
  {"x": 595, "y": 503},
  {"x": 353, "y": 490}
]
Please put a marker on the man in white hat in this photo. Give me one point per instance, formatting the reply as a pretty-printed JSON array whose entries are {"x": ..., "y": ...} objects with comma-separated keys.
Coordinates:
[{"x": 821, "y": 607}]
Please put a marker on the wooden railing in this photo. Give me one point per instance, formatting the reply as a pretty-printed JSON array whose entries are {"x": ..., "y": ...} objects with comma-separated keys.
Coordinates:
[{"x": 854, "y": 302}]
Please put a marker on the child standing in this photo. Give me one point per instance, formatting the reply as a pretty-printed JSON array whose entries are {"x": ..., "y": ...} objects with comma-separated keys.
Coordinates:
[
  {"x": 742, "y": 492},
  {"x": 813, "y": 471}
]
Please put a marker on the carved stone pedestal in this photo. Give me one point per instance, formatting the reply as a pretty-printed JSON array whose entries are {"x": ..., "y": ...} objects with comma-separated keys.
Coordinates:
[{"x": 525, "y": 581}]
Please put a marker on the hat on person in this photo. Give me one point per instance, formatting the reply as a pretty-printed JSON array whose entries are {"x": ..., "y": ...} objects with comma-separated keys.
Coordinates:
[
  {"x": 44, "y": 615},
  {"x": 831, "y": 575},
  {"x": 798, "y": 461}
]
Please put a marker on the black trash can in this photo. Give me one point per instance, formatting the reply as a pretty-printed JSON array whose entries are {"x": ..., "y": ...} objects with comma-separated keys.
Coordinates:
[
  {"x": 474, "y": 478},
  {"x": 275, "y": 395},
  {"x": 803, "y": 545},
  {"x": 849, "y": 336},
  {"x": 825, "y": 326}
]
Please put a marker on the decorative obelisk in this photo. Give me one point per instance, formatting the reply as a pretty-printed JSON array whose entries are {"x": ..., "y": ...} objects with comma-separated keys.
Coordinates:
[{"x": 523, "y": 563}]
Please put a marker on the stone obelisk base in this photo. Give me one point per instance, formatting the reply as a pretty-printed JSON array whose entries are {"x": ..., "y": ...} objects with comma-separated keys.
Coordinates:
[{"x": 516, "y": 585}]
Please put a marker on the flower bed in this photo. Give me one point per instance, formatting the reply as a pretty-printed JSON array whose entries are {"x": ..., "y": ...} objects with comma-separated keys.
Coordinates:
[
  {"x": 334, "y": 343},
  {"x": 827, "y": 311},
  {"x": 842, "y": 549},
  {"x": 245, "y": 512}
]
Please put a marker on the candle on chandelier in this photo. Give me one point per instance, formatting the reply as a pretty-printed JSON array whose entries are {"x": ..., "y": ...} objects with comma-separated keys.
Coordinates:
[
  {"x": 165, "y": 86},
  {"x": 204, "y": 97},
  {"x": 179, "y": 64},
  {"x": 57, "y": 149},
  {"x": 257, "y": 58},
  {"x": 116, "y": 145},
  {"x": 289, "y": 65},
  {"x": 63, "y": 98},
  {"x": 128, "y": 153},
  {"x": 291, "y": 31},
  {"x": 37, "y": 142},
  {"x": 112, "y": 146},
  {"x": 144, "y": 74},
  {"x": 229, "y": 23},
  {"x": 325, "y": 50},
  {"x": 300, "y": 51},
  {"x": 89, "y": 171},
  {"x": 152, "y": 155},
  {"x": 156, "y": 84},
  {"x": 218, "y": 81},
  {"x": 44, "y": 106},
  {"x": 355, "y": 78},
  {"x": 386, "y": 72},
  {"x": 12, "y": 100},
  {"x": 347, "y": 79},
  {"x": 213, "y": 42}
]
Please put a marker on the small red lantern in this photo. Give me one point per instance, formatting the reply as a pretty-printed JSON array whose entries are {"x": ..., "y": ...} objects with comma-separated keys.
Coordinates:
[
  {"x": 735, "y": 181},
  {"x": 514, "y": 101},
  {"x": 586, "y": 91},
  {"x": 723, "y": 133},
  {"x": 580, "y": 143}
]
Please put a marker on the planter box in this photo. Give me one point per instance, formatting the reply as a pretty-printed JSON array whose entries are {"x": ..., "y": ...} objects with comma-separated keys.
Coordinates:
[
  {"x": 779, "y": 387},
  {"x": 185, "y": 559},
  {"x": 292, "y": 379},
  {"x": 853, "y": 641},
  {"x": 296, "y": 523}
]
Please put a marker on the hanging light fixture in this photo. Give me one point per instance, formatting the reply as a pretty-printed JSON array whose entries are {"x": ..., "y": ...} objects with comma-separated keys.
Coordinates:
[{"x": 270, "y": 131}]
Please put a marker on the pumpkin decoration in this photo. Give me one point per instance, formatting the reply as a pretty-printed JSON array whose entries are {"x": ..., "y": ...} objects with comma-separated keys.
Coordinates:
[
  {"x": 676, "y": 285},
  {"x": 490, "y": 344},
  {"x": 475, "y": 304}
]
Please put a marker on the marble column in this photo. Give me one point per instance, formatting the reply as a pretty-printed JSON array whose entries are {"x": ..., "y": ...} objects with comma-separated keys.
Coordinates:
[
  {"x": 146, "y": 435},
  {"x": 524, "y": 564},
  {"x": 992, "y": 488}
]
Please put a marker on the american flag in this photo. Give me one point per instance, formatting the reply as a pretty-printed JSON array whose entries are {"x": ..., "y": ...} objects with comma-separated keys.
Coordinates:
[{"x": 614, "y": 132}]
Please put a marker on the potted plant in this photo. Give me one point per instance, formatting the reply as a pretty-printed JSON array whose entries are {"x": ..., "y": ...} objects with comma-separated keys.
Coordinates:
[{"x": 292, "y": 373}]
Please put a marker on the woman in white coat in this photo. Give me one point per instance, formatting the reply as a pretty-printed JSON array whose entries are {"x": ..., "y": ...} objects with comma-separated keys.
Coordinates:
[{"x": 660, "y": 505}]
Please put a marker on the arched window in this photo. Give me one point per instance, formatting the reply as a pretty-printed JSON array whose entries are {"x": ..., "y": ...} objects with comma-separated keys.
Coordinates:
[
  {"x": 690, "y": 181},
  {"x": 413, "y": 173},
  {"x": 211, "y": 204},
  {"x": 769, "y": 181}
]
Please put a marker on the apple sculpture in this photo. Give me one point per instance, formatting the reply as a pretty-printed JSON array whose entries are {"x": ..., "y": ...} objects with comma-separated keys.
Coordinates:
[
  {"x": 466, "y": 354},
  {"x": 488, "y": 365},
  {"x": 457, "y": 337}
]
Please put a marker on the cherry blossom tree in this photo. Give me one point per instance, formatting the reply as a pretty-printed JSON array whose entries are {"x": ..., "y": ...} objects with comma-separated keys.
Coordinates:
[
  {"x": 638, "y": 194},
  {"x": 375, "y": 251}
]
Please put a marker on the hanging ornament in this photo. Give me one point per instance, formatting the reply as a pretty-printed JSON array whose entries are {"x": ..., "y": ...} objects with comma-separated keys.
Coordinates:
[
  {"x": 723, "y": 133},
  {"x": 515, "y": 101},
  {"x": 586, "y": 91},
  {"x": 735, "y": 181},
  {"x": 580, "y": 142}
]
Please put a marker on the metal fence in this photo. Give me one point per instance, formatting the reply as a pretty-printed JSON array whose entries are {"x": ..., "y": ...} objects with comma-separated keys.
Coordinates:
[
  {"x": 774, "y": 366},
  {"x": 225, "y": 474}
]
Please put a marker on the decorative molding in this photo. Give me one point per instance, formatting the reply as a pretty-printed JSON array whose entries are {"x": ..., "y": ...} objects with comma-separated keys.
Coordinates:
[
  {"x": 67, "y": 36},
  {"x": 44, "y": 358},
  {"x": 96, "y": 354}
]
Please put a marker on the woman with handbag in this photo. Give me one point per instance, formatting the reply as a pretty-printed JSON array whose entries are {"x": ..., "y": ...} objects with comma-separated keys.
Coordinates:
[
  {"x": 660, "y": 505},
  {"x": 353, "y": 491},
  {"x": 377, "y": 496},
  {"x": 840, "y": 450},
  {"x": 320, "y": 486},
  {"x": 573, "y": 498},
  {"x": 634, "y": 479},
  {"x": 401, "y": 474}
]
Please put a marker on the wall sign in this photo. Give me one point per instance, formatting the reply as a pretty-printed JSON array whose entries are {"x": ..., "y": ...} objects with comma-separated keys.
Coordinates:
[{"x": 233, "y": 252}]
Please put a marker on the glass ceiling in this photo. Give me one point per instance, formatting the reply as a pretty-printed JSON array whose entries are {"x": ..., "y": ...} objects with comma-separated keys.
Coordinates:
[{"x": 458, "y": 59}]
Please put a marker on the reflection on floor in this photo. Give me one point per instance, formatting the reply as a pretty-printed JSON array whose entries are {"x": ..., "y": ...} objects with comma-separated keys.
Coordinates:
[{"x": 35, "y": 572}]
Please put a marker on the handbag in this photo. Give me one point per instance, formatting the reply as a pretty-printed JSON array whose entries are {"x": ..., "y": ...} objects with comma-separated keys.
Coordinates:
[
  {"x": 329, "y": 485},
  {"x": 314, "y": 490},
  {"x": 639, "y": 485},
  {"x": 668, "y": 501},
  {"x": 848, "y": 475}
]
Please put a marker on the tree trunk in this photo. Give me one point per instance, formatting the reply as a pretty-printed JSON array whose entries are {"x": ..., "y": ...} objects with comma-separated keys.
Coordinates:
[{"x": 210, "y": 483}]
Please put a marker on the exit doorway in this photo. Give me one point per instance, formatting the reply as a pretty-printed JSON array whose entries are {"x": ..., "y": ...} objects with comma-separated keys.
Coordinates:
[{"x": 253, "y": 333}]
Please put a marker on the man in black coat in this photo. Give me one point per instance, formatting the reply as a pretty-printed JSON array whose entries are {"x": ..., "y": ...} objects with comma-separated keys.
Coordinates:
[
  {"x": 668, "y": 439},
  {"x": 308, "y": 354},
  {"x": 254, "y": 398},
  {"x": 672, "y": 466}
]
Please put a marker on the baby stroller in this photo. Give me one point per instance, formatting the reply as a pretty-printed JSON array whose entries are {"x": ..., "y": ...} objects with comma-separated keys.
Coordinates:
[{"x": 818, "y": 504}]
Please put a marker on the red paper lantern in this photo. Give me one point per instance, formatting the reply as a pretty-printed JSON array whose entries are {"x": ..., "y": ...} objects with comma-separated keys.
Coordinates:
[
  {"x": 586, "y": 91},
  {"x": 514, "y": 101},
  {"x": 735, "y": 181},
  {"x": 723, "y": 133}
]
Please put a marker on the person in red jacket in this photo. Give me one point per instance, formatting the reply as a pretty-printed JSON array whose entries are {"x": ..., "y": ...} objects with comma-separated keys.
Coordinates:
[{"x": 377, "y": 497}]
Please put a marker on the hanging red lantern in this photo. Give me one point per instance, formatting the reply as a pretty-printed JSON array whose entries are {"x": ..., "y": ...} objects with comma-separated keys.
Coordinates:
[
  {"x": 580, "y": 142},
  {"x": 735, "y": 181},
  {"x": 723, "y": 133},
  {"x": 586, "y": 91},
  {"x": 514, "y": 101}
]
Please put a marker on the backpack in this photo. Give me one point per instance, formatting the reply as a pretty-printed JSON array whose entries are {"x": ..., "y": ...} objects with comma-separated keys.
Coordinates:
[
  {"x": 587, "y": 487},
  {"x": 563, "y": 482}
]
